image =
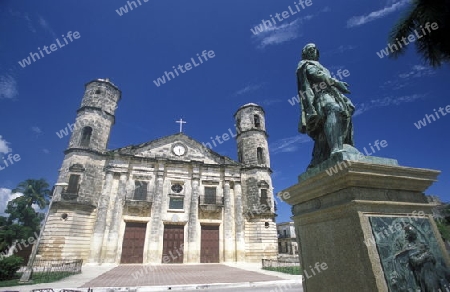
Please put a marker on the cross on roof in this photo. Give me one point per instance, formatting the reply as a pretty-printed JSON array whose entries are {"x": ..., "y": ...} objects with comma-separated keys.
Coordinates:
[{"x": 181, "y": 122}]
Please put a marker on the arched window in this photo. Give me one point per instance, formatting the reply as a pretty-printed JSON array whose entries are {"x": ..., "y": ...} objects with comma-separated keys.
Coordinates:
[
  {"x": 257, "y": 121},
  {"x": 260, "y": 155},
  {"x": 86, "y": 136}
]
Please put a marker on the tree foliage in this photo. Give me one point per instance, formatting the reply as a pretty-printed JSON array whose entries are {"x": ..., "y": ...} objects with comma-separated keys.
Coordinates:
[
  {"x": 434, "y": 46},
  {"x": 23, "y": 221},
  {"x": 9, "y": 266},
  {"x": 442, "y": 219}
]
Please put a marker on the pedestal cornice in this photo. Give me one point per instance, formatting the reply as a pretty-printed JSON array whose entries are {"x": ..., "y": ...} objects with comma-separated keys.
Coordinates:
[{"x": 363, "y": 175}]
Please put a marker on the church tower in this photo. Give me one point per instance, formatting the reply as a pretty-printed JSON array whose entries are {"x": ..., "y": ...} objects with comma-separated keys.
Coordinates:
[
  {"x": 257, "y": 190},
  {"x": 85, "y": 157},
  {"x": 75, "y": 207},
  {"x": 252, "y": 136},
  {"x": 95, "y": 117}
]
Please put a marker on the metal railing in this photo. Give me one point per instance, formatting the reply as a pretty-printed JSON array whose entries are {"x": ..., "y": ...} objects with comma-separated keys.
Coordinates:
[
  {"x": 269, "y": 263},
  {"x": 47, "y": 269}
]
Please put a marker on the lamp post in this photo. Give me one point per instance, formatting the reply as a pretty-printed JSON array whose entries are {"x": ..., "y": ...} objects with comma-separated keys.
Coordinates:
[{"x": 29, "y": 269}]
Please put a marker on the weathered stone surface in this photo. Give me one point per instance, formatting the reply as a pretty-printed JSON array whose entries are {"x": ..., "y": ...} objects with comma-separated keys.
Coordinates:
[
  {"x": 331, "y": 216},
  {"x": 105, "y": 199}
]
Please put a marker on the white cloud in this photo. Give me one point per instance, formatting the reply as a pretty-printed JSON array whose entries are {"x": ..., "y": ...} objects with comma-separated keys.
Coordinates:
[
  {"x": 4, "y": 146},
  {"x": 44, "y": 24},
  {"x": 387, "y": 101},
  {"x": 279, "y": 34},
  {"x": 46, "y": 151},
  {"x": 36, "y": 132},
  {"x": 268, "y": 102},
  {"x": 417, "y": 71},
  {"x": 290, "y": 144},
  {"x": 339, "y": 50},
  {"x": 406, "y": 79},
  {"x": 390, "y": 8},
  {"x": 24, "y": 16},
  {"x": 8, "y": 87},
  {"x": 282, "y": 32},
  {"x": 36, "y": 129},
  {"x": 248, "y": 88},
  {"x": 6, "y": 196}
]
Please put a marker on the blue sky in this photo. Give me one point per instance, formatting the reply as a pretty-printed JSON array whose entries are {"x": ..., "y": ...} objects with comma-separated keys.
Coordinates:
[{"x": 39, "y": 99}]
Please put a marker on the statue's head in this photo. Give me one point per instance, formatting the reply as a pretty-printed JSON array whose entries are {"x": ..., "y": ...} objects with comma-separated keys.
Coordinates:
[
  {"x": 310, "y": 52},
  {"x": 410, "y": 232}
]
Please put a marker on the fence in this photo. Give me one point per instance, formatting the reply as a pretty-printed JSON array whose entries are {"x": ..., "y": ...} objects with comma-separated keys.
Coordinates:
[
  {"x": 268, "y": 263},
  {"x": 63, "y": 290},
  {"x": 43, "y": 270},
  {"x": 53, "y": 269},
  {"x": 285, "y": 266}
]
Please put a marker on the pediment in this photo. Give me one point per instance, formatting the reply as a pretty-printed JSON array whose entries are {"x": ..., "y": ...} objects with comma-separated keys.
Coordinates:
[{"x": 176, "y": 147}]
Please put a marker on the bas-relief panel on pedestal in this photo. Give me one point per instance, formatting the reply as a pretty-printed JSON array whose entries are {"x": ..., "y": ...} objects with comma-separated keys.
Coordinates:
[{"x": 411, "y": 258}]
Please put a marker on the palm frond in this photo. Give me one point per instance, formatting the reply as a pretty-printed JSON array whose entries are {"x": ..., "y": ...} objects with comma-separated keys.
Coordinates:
[
  {"x": 434, "y": 45},
  {"x": 402, "y": 29}
]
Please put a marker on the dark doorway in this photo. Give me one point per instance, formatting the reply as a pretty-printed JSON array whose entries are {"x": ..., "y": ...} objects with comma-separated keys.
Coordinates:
[
  {"x": 173, "y": 244},
  {"x": 133, "y": 243},
  {"x": 210, "y": 244}
]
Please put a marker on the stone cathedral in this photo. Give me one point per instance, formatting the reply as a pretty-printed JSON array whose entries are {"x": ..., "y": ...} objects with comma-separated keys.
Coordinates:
[{"x": 171, "y": 200}]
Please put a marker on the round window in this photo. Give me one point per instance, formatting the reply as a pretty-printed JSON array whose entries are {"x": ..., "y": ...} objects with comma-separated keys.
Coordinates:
[{"x": 177, "y": 188}]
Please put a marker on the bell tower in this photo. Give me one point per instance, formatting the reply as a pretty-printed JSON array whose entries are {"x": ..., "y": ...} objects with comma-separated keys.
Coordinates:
[
  {"x": 75, "y": 207},
  {"x": 95, "y": 117},
  {"x": 257, "y": 190},
  {"x": 252, "y": 136},
  {"x": 85, "y": 157}
]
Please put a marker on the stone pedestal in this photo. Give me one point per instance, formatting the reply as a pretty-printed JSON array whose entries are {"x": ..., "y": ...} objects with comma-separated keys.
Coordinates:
[{"x": 352, "y": 224}]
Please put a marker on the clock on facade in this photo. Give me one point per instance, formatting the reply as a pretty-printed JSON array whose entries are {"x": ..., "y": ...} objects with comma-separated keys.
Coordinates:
[{"x": 179, "y": 150}]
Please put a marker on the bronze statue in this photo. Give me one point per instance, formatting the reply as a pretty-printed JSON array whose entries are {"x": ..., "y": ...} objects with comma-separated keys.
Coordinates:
[{"x": 325, "y": 111}]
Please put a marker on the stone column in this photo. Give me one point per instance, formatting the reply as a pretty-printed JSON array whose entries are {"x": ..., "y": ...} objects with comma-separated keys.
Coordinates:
[
  {"x": 239, "y": 223},
  {"x": 229, "y": 238},
  {"x": 100, "y": 223},
  {"x": 193, "y": 255},
  {"x": 116, "y": 219},
  {"x": 156, "y": 225}
]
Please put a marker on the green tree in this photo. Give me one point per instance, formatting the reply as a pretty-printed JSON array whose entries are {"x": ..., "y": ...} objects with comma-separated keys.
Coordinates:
[
  {"x": 442, "y": 219},
  {"x": 35, "y": 192},
  {"x": 434, "y": 46},
  {"x": 23, "y": 221}
]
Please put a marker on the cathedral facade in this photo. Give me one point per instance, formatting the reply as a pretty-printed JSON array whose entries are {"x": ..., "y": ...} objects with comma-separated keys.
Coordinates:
[{"x": 171, "y": 200}]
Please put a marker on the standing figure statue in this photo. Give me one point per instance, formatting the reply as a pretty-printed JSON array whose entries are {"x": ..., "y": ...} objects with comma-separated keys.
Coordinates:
[{"x": 325, "y": 111}]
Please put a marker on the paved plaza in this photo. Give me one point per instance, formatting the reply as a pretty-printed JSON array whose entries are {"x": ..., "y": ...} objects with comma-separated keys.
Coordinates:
[
  {"x": 166, "y": 277},
  {"x": 148, "y": 275}
]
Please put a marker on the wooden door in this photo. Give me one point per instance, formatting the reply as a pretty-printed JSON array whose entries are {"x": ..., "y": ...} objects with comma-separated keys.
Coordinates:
[
  {"x": 210, "y": 244},
  {"x": 133, "y": 243},
  {"x": 173, "y": 244}
]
